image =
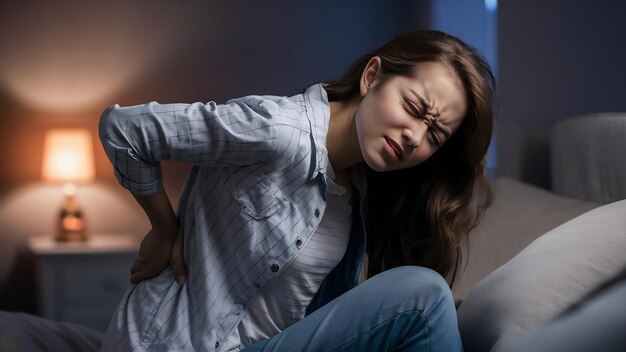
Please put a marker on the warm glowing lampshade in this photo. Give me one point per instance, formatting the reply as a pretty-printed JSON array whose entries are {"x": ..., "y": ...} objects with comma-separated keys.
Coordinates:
[{"x": 68, "y": 156}]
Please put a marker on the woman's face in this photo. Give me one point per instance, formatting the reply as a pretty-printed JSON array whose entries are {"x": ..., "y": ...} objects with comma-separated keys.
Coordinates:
[{"x": 401, "y": 122}]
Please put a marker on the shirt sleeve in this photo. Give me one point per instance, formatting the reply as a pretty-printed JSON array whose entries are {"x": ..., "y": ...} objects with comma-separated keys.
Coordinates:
[{"x": 135, "y": 138}]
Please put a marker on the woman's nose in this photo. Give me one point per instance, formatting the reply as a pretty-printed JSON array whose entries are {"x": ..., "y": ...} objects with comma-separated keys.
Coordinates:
[{"x": 414, "y": 135}]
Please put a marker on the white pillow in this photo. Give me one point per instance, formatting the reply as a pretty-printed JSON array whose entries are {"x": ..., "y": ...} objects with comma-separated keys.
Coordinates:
[{"x": 554, "y": 271}]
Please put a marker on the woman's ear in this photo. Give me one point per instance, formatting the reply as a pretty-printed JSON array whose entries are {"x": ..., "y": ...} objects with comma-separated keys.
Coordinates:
[{"x": 370, "y": 74}]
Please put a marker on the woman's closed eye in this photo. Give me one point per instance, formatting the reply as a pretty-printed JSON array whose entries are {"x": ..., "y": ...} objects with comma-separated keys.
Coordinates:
[
  {"x": 409, "y": 105},
  {"x": 435, "y": 138},
  {"x": 413, "y": 109}
]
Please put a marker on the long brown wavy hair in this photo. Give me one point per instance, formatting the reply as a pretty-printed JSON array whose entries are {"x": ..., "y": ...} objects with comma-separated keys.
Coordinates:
[{"x": 421, "y": 215}]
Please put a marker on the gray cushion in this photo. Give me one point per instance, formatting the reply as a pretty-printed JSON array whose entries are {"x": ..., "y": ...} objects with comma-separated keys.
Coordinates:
[
  {"x": 520, "y": 213},
  {"x": 587, "y": 158},
  {"x": 554, "y": 271}
]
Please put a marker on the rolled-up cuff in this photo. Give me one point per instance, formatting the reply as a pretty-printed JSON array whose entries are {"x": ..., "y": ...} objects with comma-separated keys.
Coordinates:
[{"x": 145, "y": 184}]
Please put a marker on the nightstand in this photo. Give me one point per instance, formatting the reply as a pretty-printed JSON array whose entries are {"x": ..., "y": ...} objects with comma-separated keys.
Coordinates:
[{"x": 83, "y": 282}]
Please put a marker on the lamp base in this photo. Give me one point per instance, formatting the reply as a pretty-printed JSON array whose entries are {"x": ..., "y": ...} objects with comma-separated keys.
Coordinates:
[
  {"x": 70, "y": 236},
  {"x": 71, "y": 223}
]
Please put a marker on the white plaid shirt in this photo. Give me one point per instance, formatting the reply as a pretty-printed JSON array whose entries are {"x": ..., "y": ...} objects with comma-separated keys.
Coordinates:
[{"x": 255, "y": 193}]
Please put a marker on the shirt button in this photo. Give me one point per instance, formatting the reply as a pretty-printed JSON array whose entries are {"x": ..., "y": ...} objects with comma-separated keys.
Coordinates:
[
  {"x": 217, "y": 345},
  {"x": 275, "y": 267},
  {"x": 255, "y": 285},
  {"x": 299, "y": 243},
  {"x": 317, "y": 213}
]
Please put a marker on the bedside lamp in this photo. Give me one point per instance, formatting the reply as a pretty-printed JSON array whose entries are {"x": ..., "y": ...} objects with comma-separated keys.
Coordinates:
[{"x": 68, "y": 158}]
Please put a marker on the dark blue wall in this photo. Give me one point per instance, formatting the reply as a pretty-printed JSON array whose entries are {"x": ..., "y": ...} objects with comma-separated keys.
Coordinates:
[
  {"x": 276, "y": 47},
  {"x": 474, "y": 23},
  {"x": 557, "y": 59},
  {"x": 63, "y": 62}
]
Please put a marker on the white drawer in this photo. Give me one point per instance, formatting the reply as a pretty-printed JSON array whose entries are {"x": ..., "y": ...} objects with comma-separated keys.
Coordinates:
[
  {"x": 84, "y": 282},
  {"x": 93, "y": 280}
]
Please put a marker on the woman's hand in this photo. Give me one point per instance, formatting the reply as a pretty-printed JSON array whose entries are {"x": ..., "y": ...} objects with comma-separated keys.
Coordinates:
[
  {"x": 178, "y": 261},
  {"x": 161, "y": 247}
]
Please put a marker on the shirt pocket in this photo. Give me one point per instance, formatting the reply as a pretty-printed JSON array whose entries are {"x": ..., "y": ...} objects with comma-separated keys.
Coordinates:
[{"x": 258, "y": 196}]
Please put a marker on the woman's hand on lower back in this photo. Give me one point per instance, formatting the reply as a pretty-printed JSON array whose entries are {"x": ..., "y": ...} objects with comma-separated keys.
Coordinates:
[
  {"x": 178, "y": 261},
  {"x": 158, "y": 249},
  {"x": 162, "y": 246}
]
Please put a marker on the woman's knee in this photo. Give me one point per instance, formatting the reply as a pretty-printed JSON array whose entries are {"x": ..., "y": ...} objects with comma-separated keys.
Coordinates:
[
  {"x": 415, "y": 283},
  {"x": 411, "y": 277}
]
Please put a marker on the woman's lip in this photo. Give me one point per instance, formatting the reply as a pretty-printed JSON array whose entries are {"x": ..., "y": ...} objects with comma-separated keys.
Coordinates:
[{"x": 396, "y": 148}]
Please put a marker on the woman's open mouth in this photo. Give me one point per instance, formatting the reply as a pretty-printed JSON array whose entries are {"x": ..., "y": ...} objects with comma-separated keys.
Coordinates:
[{"x": 393, "y": 149}]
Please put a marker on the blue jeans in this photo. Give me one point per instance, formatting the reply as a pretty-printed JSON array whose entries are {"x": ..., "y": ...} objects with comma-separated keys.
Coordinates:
[{"x": 408, "y": 308}]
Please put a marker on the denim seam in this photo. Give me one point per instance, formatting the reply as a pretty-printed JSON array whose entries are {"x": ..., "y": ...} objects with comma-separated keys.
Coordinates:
[{"x": 386, "y": 321}]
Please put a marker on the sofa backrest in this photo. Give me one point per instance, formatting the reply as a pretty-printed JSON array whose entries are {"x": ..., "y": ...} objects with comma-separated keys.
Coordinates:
[{"x": 588, "y": 157}]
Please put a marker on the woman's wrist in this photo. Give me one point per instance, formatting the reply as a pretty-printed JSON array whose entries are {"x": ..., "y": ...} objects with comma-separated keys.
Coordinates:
[
  {"x": 168, "y": 227},
  {"x": 160, "y": 212}
]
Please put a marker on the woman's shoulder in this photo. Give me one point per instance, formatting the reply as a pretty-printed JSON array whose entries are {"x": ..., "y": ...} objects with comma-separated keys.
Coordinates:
[
  {"x": 285, "y": 111},
  {"x": 313, "y": 101},
  {"x": 294, "y": 103}
]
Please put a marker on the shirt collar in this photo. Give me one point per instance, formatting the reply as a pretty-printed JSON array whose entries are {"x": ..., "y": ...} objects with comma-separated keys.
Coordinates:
[{"x": 318, "y": 112}]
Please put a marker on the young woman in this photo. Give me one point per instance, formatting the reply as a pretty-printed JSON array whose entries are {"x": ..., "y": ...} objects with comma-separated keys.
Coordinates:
[{"x": 267, "y": 249}]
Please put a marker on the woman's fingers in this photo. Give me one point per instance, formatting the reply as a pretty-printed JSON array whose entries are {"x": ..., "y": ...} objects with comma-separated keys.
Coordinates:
[
  {"x": 141, "y": 271},
  {"x": 137, "y": 277},
  {"x": 180, "y": 272},
  {"x": 178, "y": 261},
  {"x": 135, "y": 268},
  {"x": 137, "y": 272},
  {"x": 154, "y": 256}
]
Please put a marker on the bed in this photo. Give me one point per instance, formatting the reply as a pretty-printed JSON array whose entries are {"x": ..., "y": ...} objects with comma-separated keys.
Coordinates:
[
  {"x": 541, "y": 251},
  {"x": 525, "y": 225}
]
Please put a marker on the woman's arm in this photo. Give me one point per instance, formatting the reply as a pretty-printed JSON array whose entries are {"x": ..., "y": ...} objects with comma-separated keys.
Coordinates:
[
  {"x": 159, "y": 210},
  {"x": 162, "y": 245},
  {"x": 137, "y": 138}
]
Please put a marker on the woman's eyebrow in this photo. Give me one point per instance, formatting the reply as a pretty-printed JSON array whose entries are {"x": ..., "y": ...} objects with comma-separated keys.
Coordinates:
[
  {"x": 446, "y": 131},
  {"x": 421, "y": 100}
]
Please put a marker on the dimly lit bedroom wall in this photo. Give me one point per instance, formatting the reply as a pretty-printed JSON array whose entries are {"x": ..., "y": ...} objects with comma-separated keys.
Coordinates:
[
  {"x": 557, "y": 59},
  {"x": 63, "y": 62}
]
